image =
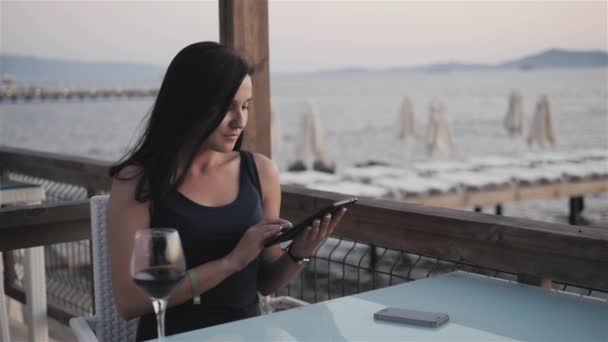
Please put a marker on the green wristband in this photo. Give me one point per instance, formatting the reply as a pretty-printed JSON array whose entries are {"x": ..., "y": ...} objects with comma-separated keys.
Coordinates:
[{"x": 196, "y": 292}]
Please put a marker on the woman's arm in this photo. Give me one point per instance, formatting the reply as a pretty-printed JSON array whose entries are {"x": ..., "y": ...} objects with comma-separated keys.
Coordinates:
[
  {"x": 126, "y": 216},
  {"x": 278, "y": 268}
]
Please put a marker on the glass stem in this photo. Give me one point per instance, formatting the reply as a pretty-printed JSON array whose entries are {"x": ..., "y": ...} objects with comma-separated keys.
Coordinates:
[{"x": 160, "y": 305}]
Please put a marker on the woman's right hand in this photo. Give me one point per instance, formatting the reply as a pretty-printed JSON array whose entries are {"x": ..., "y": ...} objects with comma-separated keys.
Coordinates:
[{"x": 252, "y": 243}]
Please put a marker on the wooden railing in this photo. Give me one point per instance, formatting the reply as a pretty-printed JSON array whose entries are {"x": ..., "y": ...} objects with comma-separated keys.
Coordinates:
[
  {"x": 571, "y": 254},
  {"x": 89, "y": 173},
  {"x": 44, "y": 225}
]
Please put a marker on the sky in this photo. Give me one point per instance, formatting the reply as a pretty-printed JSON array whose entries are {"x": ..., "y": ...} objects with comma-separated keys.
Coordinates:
[{"x": 308, "y": 35}]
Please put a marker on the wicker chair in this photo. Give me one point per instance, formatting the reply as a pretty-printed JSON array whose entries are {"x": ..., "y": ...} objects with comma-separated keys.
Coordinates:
[{"x": 107, "y": 325}]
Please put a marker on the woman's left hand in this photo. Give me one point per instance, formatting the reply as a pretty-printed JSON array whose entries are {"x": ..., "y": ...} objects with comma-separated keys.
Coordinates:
[{"x": 306, "y": 243}]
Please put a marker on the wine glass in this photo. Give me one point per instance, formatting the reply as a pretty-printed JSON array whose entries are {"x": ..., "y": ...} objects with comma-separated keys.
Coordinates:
[{"x": 158, "y": 267}]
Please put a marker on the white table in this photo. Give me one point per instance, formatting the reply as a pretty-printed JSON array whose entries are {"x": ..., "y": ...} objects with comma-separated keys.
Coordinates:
[{"x": 480, "y": 309}]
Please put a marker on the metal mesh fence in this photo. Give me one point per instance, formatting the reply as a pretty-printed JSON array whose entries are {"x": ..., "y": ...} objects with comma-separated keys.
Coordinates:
[
  {"x": 70, "y": 277},
  {"x": 342, "y": 267}
]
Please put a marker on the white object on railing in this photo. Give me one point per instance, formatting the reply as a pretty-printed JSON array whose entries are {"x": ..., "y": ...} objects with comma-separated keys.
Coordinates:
[
  {"x": 107, "y": 325},
  {"x": 4, "y": 332},
  {"x": 35, "y": 292}
]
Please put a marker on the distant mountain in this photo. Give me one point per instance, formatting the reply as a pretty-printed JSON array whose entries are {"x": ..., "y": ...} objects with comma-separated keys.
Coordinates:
[
  {"x": 450, "y": 66},
  {"x": 556, "y": 58},
  {"x": 552, "y": 58},
  {"x": 438, "y": 67},
  {"x": 25, "y": 68},
  {"x": 28, "y": 69}
]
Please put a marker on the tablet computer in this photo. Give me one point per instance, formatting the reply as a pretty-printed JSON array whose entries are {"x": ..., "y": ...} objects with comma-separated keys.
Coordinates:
[{"x": 290, "y": 233}]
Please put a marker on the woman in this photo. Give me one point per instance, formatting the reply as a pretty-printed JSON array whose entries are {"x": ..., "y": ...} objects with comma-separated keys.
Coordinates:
[{"x": 187, "y": 172}]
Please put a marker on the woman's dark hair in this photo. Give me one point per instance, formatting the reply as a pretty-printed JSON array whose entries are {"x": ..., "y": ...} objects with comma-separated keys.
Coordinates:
[{"x": 193, "y": 99}]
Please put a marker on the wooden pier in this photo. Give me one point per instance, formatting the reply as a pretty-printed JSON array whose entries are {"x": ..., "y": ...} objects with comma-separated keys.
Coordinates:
[{"x": 36, "y": 93}]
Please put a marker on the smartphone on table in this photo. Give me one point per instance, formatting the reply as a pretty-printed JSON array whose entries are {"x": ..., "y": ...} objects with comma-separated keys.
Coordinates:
[
  {"x": 291, "y": 233},
  {"x": 414, "y": 317}
]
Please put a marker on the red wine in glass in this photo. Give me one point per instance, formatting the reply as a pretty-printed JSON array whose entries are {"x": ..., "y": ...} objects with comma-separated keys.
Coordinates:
[
  {"x": 158, "y": 267},
  {"x": 159, "y": 282}
]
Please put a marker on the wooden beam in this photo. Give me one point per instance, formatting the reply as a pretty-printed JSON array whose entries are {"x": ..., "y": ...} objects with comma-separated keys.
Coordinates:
[
  {"x": 244, "y": 27},
  {"x": 571, "y": 254},
  {"x": 44, "y": 225}
]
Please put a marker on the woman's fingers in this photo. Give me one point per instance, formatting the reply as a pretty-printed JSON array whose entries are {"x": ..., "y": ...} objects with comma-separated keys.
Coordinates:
[
  {"x": 308, "y": 233},
  {"x": 281, "y": 222},
  {"x": 270, "y": 230},
  {"x": 337, "y": 217},
  {"x": 316, "y": 227},
  {"x": 320, "y": 229},
  {"x": 272, "y": 227},
  {"x": 325, "y": 226},
  {"x": 308, "y": 241}
]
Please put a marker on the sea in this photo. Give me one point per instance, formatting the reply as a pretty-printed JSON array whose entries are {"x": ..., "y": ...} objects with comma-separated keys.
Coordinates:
[{"x": 359, "y": 116}]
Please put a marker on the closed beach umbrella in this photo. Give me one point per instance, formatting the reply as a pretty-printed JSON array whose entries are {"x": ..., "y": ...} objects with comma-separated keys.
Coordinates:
[
  {"x": 514, "y": 120},
  {"x": 541, "y": 128},
  {"x": 438, "y": 136},
  {"x": 310, "y": 149},
  {"x": 303, "y": 150},
  {"x": 407, "y": 120}
]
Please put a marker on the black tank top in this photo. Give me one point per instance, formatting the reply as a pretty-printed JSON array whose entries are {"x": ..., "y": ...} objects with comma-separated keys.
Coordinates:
[{"x": 210, "y": 233}]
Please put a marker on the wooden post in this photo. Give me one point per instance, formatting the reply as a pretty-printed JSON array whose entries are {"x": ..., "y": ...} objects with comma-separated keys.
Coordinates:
[
  {"x": 499, "y": 209},
  {"x": 373, "y": 260},
  {"x": 577, "y": 204},
  {"x": 4, "y": 332},
  {"x": 244, "y": 27}
]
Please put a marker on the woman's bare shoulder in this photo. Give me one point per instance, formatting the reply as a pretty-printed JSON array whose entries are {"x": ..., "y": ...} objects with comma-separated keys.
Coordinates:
[
  {"x": 267, "y": 168},
  {"x": 125, "y": 183},
  {"x": 268, "y": 173}
]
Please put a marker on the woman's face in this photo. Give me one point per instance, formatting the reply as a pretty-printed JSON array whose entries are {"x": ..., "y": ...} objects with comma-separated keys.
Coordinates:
[{"x": 225, "y": 135}]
